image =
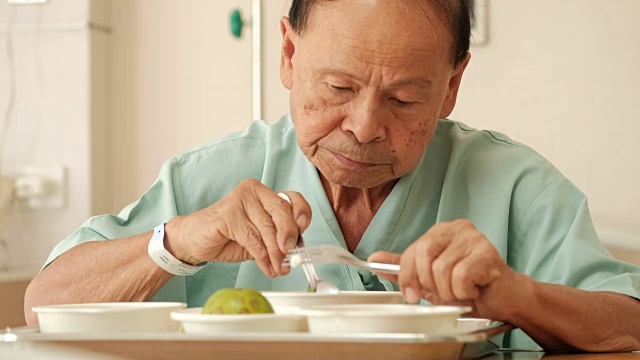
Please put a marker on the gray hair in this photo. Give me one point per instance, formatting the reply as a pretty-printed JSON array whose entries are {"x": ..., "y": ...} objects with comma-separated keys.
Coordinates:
[{"x": 455, "y": 13}]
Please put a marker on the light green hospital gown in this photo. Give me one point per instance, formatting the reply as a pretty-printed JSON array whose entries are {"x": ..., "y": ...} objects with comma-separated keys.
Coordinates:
[{"x": 535, "y": 217}]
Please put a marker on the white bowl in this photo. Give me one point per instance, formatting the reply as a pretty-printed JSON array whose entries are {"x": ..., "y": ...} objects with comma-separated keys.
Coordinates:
[
  {"x": 292, "y": 302},
  {"x": 468, "y": 325},
  {"x": 384, "y": 318},
  {"x": 108, "y": 317},
  {"x": 195, "y": 322}
]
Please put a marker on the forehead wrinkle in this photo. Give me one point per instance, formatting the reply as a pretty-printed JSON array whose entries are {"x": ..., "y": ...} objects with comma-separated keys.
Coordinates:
[
  {"x": 389, "y": 54},
  {"x": 384, "y": 66}
]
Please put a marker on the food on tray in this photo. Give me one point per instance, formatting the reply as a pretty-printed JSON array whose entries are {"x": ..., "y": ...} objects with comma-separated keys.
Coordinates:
[{"x": 237, "y": 301}]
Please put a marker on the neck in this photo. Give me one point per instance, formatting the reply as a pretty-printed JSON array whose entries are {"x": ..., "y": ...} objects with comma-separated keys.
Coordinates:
[
  {"x": 355, "y": 208},
  {"x": 343, "y": 198}
]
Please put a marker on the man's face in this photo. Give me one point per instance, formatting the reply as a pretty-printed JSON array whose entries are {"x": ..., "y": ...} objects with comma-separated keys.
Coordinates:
[{"x": 368, "y": 81}]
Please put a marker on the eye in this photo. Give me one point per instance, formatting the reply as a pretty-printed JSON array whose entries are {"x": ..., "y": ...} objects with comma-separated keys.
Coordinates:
[
  {"x": 402, "y": 103},
  {"x": 341, "y": 89}
]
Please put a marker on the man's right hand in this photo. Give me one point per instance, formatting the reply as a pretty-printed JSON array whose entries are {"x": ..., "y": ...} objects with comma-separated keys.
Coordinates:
[{"x": 252, "y": 222}]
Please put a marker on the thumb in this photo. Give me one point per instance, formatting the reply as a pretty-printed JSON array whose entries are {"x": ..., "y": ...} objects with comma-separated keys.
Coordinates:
[{"x": 385, "y": 257}]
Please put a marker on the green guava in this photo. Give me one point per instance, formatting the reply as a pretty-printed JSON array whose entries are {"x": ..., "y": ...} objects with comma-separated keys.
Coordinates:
[{"x": 237, "y": 301}]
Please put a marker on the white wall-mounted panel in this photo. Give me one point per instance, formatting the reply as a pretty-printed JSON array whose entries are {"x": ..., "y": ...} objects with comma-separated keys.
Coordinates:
[
  {"x": 54, "y": 12},
  {"x": 50, "y": 126}
]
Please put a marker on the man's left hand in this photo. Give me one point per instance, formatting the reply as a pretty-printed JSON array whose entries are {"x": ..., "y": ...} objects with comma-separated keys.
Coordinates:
[{"x": 455, "y": 264}]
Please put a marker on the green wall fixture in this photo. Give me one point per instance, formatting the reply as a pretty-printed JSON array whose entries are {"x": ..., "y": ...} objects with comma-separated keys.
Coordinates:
[{"x": 236, "y": 23}]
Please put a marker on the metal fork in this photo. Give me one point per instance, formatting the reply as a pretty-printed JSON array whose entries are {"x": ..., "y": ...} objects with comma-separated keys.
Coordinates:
[
  {"x": 333, "y": 254},
  {"x": 315, "y": 283}
]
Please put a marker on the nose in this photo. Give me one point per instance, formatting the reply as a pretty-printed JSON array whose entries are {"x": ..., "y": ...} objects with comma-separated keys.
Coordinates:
[{"x": 365, "y": 121}]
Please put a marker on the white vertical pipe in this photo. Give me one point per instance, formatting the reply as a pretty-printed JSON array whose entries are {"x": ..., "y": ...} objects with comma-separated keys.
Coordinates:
[{"x": 256, "y": 57}]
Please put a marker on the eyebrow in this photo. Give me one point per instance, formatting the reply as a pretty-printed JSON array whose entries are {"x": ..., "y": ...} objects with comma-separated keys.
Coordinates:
[{"x": 417, "y": 82}]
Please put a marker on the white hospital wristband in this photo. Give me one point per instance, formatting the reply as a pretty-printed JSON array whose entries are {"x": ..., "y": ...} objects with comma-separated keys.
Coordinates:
[{"x": 165, "y": 260}]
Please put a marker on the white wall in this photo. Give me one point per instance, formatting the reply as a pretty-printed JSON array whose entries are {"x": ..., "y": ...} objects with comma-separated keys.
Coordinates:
[
  {"x": 564, "y": 78},
  {"x": 178, "y": 79},
  {"x": 276, "y": 96},
  {"x": 52, "y": 122}
]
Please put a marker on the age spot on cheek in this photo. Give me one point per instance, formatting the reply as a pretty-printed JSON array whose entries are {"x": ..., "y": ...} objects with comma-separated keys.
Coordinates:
[
  {"x": 315, "y": 105},
  {"x": 424, "y": 128},
  {"x": 310, "y": 107}
]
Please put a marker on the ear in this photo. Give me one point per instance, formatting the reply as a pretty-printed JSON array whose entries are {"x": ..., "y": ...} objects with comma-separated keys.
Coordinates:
[
  {"x": 454, "y": 85},
  {"x": 288, "y": 49}
]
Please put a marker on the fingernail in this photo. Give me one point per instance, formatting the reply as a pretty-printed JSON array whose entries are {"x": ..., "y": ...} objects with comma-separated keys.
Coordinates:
[
  {"x": 285, "y": 197},
  {"x": 411, "y": 296},
  {"x": 284, "y": 270},
  {"x": 272, "y": 272},
  {"x": 302, "y": 221},
  {"x": 290, "y": 244}
]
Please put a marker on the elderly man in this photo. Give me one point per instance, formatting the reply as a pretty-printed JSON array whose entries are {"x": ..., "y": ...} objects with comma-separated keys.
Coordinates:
[{"x": 472, "y": 216}]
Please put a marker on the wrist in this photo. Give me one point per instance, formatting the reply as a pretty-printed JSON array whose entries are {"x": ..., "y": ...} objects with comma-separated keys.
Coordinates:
[
  {"x": 164, "y": 259},
  {"x": 523, "y": 303},
  {"x": 174, "y": 243}
]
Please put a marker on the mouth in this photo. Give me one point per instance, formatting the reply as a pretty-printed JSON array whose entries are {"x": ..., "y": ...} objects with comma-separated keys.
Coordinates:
[{"x": 354, "y": 163}]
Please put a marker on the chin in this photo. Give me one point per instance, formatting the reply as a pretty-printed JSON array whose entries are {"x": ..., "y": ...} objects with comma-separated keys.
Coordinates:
[{"x": 358, "y": 181}]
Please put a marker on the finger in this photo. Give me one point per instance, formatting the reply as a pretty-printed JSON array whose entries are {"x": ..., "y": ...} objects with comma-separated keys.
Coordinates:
[
  {"x": 440, "y": 250},
  {"x": 255, "y": 224},
  {"x": 249, "y": 237},
  {"x": 418, "y": 280},
  {"x": 408, "y": 277},
  {"x": 462, "y": 285},
  {"x": 232, "y": 251},
  {"x": 463, "y": 263},
  {"x": 288, "y": 230},
  {"x": 442, "y": 267},
  {"x": 264, "y": 223},
  {"x": 428, "y": 248},
  {"x": 301, "y": 209},
  {"x": 470, "y": 275},
  {"x": 387, "y": 258}
]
